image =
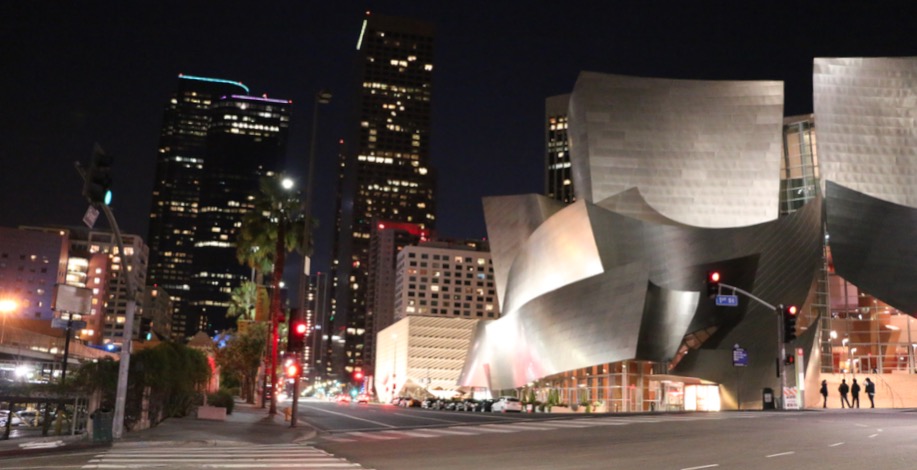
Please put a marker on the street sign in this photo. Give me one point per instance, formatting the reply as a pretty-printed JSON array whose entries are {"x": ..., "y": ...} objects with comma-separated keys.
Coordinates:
[
  {"x": 89, "y": 218},
  {"x": 62, "y": 323},
  {"x": 739, "y": 357},
  {"x": 727, "y": 300}
]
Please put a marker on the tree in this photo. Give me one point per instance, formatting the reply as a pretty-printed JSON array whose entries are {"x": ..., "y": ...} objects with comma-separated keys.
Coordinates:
[
  {"x": 241, "y": 357},
  {"x": 242, "y": 301},
  {"x": 269, "y": 231},
  {"x": 174, "y": 375}
]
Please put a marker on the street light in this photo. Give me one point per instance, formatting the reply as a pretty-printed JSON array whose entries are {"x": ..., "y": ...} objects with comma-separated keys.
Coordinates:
[
  {"x": 322, "y": 97},
  {"x": 7, "y": 306}
]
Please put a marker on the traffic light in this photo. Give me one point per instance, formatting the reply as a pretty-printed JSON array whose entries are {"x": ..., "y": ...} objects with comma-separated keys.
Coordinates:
[
  {"x": 296, "y": 339},
  {"x": 789, "y": 323},
  {"x": 292, "y": 369},
  {"x": 713, "y": 283},
  {"x": 97, "y": 182},
  {"x": 790, "y": 359},
  {"x": 358, "y": 375}
]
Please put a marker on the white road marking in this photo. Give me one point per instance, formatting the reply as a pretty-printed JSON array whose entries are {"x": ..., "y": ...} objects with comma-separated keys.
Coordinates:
[
  {"x": 874, "y": 435},
  {"x": 836, "y": 444},
  {"x": 702, "y": 466},
  {"x": 350, "y": 417},
  {"x": 779, "y": 455}
]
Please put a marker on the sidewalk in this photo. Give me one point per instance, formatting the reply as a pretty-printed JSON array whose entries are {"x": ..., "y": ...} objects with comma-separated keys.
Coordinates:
[{"x": 246, "y": 425}]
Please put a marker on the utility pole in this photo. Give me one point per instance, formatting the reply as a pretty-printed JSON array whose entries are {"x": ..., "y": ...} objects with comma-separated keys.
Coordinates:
[
  {"x": 96, "y": 187},
  {"x": 322, "y": 97}
]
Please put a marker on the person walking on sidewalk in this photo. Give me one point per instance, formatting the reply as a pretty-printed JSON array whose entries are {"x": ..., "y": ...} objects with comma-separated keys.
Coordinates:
[
  {"x": 870, "y": 392},
  {"x": 855, "y": 393},
  {"x": 824, "y": 393},
  {"x": 844, "y": 389}
]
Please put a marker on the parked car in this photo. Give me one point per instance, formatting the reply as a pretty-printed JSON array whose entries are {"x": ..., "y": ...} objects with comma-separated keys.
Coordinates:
[
  {"x": 428, "y": 403},
  {"x": 451, "y": 405},
  {"x": 31, "y": 417},
  {"x": 504, "y": 404},
  {"x": 468, "y": 404},
  {"x": 485, "y": 405},
  {"x": 5, "y": 416},
  {"x": 409, "y": 402}
]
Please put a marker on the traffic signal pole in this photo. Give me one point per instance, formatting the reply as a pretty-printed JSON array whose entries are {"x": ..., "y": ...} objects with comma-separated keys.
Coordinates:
[
  {"x": 781, "y": 346},
  {"x": 99, "y": 196}
]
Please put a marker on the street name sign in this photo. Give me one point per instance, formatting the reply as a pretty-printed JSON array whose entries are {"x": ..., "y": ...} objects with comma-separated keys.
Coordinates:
[{"x": 727, "y": 300}]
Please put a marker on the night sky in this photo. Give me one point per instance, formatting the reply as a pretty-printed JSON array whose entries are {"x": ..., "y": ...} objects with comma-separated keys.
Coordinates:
[{"x": 78, "y": 72}]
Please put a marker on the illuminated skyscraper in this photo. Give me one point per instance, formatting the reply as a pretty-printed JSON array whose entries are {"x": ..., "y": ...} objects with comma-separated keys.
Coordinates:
[
  {"x": 176, "y": 188},
  {"x": 215, "y": 143},
  {"x": 558, "y": 182},
  {"x": 246, "y": 140},
  {"x": 385, "y": 168}
]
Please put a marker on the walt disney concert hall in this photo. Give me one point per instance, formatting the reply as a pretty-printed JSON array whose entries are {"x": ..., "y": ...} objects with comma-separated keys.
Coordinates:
[{"x": 605, "y": 298}]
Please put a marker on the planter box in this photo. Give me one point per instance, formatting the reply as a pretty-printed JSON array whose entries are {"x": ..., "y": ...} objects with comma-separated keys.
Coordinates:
[{"x": 213, "y": 413}]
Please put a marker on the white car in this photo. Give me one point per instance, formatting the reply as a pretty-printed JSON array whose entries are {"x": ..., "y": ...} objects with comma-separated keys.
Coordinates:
[
  {"x": 504, "y": 404},
  {"x": 4, "y": 416}
]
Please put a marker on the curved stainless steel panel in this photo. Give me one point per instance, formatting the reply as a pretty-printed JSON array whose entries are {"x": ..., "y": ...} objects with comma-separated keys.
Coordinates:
[
  {"x": 874, "y": 245},
  {"x": 645, "y": 299},
  {"x": 865, "y": 111},
  {"x": 705, "y": 153}
]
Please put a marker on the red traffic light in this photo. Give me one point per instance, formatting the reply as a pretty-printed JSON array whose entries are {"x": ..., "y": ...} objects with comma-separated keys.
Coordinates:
[
  {"x": 293, "y": 370},
  {"x": 300, "y": 328},
  {"x": 791, "y": 310},
  {"x": 358, "y": 375},
  {"x": 713, "y": 276}
]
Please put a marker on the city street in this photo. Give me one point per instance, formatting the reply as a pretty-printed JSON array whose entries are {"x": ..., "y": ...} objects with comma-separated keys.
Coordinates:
[
  {"x": 384, "y": 437},
  {"x": 743, "y": 440}
]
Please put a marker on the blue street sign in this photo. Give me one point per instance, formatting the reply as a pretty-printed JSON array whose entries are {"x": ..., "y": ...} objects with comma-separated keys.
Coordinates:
[
  {"x": 727, "y": 300},
  {"x": 739, "y": 357}
]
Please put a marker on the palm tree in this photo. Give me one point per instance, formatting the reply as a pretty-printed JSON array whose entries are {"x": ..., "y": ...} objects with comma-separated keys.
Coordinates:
[
  {"x": 242, "y": 301},
  {"x": 272, "y": 228}
]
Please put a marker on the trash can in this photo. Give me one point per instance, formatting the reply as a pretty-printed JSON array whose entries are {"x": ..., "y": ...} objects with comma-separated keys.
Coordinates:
[
  {"x": 101, "y": 426},
  {"x": 767, "y": 399}
]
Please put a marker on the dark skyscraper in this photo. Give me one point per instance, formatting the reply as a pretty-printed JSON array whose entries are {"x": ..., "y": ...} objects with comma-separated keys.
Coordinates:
[
  {"x": 246, "y": 140},
  {"x": 215, "y": 143},
  {"x": 176, "y": 189},
  {"x": 386, "y": 170}
]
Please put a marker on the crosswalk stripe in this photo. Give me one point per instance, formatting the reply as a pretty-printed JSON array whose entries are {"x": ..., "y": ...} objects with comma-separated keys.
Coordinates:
[{"x": 254, "y": 457}]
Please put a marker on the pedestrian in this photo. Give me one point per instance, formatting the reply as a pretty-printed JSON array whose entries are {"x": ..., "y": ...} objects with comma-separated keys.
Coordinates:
[
  {"x": 844, "y": 388},
  {"x": 870, "y": 392},
  {"x": 824, "y": 393},
  {"x": 855, "y": 393}
]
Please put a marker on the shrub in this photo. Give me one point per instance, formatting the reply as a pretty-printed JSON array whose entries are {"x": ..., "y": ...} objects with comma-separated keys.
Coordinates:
[{"x": 222, "y": 398}]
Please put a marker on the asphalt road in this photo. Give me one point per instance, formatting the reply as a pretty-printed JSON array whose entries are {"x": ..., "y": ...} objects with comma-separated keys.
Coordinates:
[
  {"x": 833, "y": 439},
  {"x": 382, "y": 437}
]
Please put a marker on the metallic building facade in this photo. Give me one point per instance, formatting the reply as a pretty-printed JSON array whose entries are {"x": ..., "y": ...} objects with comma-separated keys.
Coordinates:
[
  {"x": 704, "y": 153},
  {"x": 673, "y": 178},
  {"x": 867, "y": 141}
]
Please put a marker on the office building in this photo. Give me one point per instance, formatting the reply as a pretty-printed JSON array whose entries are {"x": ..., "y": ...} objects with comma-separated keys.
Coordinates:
[
  {"x": 176, "y": 189},
  {"x": 387, "y": 240},
  {"x": 31, "y": 264},
  {"x": 558, "y": 182},
  {"x": 246, "y": 140},
  {"x": 386, "y": 172}
]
